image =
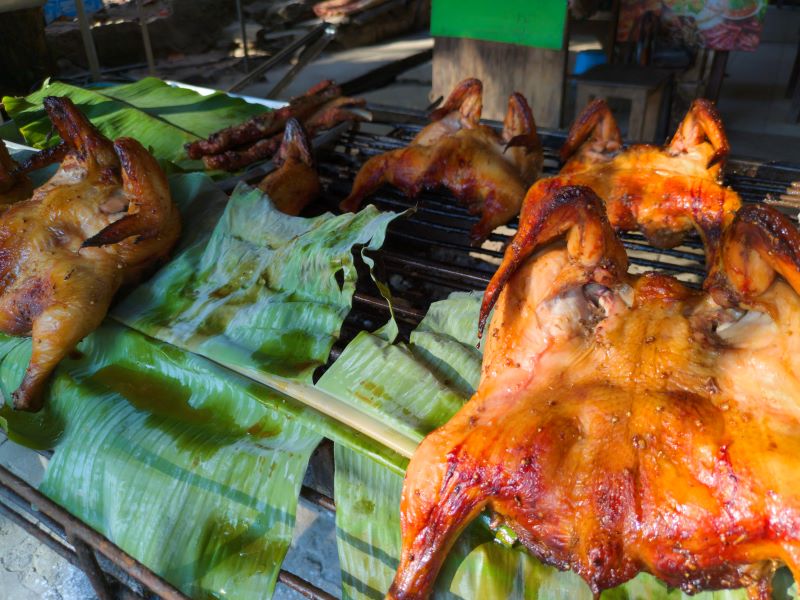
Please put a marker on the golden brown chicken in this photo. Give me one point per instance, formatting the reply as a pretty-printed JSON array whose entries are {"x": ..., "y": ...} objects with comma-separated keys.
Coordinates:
[
  {"x": 295, "y": 183},
  {"x": 626, "y": 424},
  {"x": 486, "y": 171},
  {"x": 664, "y": 192},
  {"x": 14, "y": 186},
  {"x": 102, "y": 220}
]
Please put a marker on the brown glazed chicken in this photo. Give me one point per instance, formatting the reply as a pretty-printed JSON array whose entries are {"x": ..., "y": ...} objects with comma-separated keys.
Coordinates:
[
  {"x": 663, "y": 192},
  {"x": 295, "y": 183},
  {"x": 626, "y": 424},
  {"x": 14, "y": 186},
  {"x": 486, "y": 171},
  {"x": 102, "y": 220}
]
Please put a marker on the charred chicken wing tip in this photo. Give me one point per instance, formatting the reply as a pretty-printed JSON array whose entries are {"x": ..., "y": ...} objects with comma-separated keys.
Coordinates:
[
  {"x": 294, "y": 145},
  {"x": 596, "y": 124},
  {"x": 466, "y": 98},
  {"x": 84, "y": 140}
]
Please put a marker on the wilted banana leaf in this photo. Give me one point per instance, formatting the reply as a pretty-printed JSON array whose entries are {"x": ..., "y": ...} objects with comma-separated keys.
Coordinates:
[
  {"x": 417, "y": 387},
  {"x": 178, "y": 462},
  {"x": 265, "y": 291},
  {"x": 163, "y": 118}
]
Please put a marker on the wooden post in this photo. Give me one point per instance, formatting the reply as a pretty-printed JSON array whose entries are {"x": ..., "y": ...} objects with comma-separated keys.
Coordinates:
[
  {"x": 504, "y": 68},
  {"x": 25, "y": 59}
]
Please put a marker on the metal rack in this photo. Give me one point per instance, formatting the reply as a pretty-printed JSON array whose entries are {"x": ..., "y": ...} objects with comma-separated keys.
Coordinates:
[{"x": 426, "y": 256}]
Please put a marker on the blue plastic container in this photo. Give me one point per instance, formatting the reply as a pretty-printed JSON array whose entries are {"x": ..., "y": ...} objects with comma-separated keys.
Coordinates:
[
  {"x": 588, "y": 59},
  {"x": 66, "y": 8}
]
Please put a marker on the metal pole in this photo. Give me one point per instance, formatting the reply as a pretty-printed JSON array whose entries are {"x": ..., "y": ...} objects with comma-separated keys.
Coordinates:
[
  {"x": 148, "y": 47},
  {"x": 309, "y": 54},
  {"x": 285, "y": 53},
  {"x": 240, "y": 13},
  {"x": 89, "y": 566},
  {"x": 88, "y": 41}
]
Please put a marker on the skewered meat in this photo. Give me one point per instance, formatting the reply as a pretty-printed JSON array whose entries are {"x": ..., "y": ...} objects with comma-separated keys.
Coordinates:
[
  {"x": 14, "y": 186},
  {"x": 233, "y": 148},
  {"x": 295, "y": 183},
  {"x": 333, "y": 112},
  {"x": 102, "y": 220},
  {"x": 626, "y": 424},
  {"x": 266, "y": 124},
  {"x": 486, "y": 171},
  {"x": 664, "y": 192}
]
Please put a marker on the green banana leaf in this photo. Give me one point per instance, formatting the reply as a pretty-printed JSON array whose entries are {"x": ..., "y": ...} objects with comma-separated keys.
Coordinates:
[
  {"x": 417, "y": 387},
  {"x": 163, "y": 118},
  {"x": 263, "y": 292},
  {"x": 178, "y": 463}
]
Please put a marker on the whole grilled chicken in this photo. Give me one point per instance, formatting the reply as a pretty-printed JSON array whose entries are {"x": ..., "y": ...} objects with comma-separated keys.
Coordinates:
[
  {"x": 102, "y": 220},
  {"x": 14, "y": 186},
  {"x": 663, "y": 192},
  {"x": 486, "y": 171},
  {"x": 626, "y": 424},
  {"x": 295, "y": 183}
]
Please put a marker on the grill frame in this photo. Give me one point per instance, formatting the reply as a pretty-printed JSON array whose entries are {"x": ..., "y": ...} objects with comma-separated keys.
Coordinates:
[{"x": 420, "y": 251}]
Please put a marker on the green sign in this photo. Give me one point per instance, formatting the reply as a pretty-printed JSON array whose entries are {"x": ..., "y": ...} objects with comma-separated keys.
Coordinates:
[{"x": 538, "y": 23}]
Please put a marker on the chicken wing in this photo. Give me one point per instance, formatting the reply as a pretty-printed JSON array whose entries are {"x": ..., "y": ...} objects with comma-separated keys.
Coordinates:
[
  {"x": 295, "y": 183},
  {"x": 486, "y": 171},
  {"x": 103, "y": 219},
  {"x": 626, "y": 424}
]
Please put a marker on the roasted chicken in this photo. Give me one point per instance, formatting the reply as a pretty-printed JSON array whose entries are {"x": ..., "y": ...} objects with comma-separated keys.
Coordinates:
[
  {"x": 626, "y": 424},
  {"x": 295, "y": 183},
  {"x": 663, "y": 192},
  {"x": 104, "y": 219},
  {"x": 486, "y": 171},
  {"x": 14, "y": 185}
]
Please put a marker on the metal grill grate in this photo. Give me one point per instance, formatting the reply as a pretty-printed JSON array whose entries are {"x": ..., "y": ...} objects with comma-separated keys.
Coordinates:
[{"x": 427, "y": 255}]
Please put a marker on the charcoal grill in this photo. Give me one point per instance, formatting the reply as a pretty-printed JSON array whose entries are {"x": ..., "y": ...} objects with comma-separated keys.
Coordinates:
[{"x": 425, "y": 257}]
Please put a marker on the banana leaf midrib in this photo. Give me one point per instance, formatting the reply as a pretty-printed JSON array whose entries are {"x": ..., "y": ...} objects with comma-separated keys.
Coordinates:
[
  {"x": 157, "y": 117},
  {"x": 315, "y": 398}
]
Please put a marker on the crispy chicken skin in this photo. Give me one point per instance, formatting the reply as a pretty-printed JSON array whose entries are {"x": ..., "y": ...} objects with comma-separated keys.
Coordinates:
[
  {"x": 486, "y": 171},
  {"x": 626, "y": 424},
  {"x": 14, "y": 186},
  {"x": 295, "y": 183},
  {"x": 102, "y": 220},
  {"x": 663, "y": 192}
]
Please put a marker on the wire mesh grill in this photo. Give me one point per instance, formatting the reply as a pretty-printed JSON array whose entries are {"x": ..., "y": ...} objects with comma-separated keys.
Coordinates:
[{"x": 427, "y": 255}]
